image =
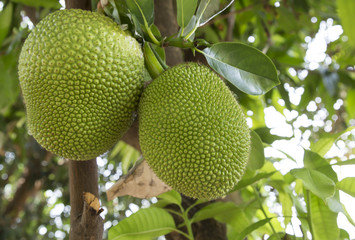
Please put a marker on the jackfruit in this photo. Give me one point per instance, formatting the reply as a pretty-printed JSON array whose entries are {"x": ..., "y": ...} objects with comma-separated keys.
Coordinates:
[
  {"x": 193, "y": 132},
  {"x": 81, "y": 77}
]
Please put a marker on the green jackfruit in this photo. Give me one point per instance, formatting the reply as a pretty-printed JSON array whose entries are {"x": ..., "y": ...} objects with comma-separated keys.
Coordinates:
[
  {"x": 81, "y": 77},
  {"x": 192, "y": 132}
]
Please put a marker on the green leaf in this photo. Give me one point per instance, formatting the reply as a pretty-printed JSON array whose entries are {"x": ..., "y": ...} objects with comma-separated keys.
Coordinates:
[
  {"x": 347, "y": 185},
  {"x": 323, "y": 220},
  {"x": 143, "y": 10},
  {"x": 162, "y": 203},
  {"x": 336, "y": 206},
  {"x": 346, "y": 162},
  {"x": 172, "y": 196},
  {"x": 256, "y": 157},
  {"x": 347, "y": 215},
  {"x": 40, "y": 3},
  {"x": 344, "y": 234},
  {"x": 346, "y": 12},
  {"x": 287, "y": 204},
  {"x": 9, "y": 86},
  {"x": 189, "y": 29},
  {"x": 213, "y": 210},
  {"x": 147, "y": 223},
  {"x": 245, "y": 67},
  {"x": 237, "y": 219},
  {"x": 249, "y": 181},
  {"x": 266, "y": 136},
  {"x": 5, "y": 21},
  {"x": 208, "y": 9},
  {"x": 315, "y": 181},
  {"x": 277, "y": 236},
  {"x": 350, "y": 103},
  {"x": 130, "y": 155},
  {"x": 185, "y": 11},
  {"x": 252, "y": 227},
  {"x": 323, "y": 145},
  {"x": 314, "y": 161}
]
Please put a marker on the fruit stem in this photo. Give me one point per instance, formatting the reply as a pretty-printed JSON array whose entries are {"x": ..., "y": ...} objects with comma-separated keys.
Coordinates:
[
  {"x": 150, "y": 34},
  {"x": 181, "y": 43},
  {"x": 184, "y": 234},
  {"x": 151, "y": 60},
  {"x": 188, "y": 225}
]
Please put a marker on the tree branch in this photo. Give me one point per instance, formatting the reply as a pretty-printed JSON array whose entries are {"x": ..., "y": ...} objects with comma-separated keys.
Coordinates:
[
  {"x": 165, "y": 19},
  {"x": 85, "y": 221},
  {"x": 82, "y": 4}
]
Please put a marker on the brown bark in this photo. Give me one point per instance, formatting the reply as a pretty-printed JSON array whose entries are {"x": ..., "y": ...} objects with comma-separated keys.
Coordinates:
[
  {"x": 85, "y": 220},
  {"x": 165, "y": 19},
  {"x": 208, "y": 229},
  {"x": 82, "y": 4},
  {"x": 131, "y": 136}
]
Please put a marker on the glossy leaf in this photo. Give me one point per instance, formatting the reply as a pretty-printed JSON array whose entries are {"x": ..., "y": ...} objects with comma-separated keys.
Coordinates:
[
  {"x": 323, "y": 220},
  {"x": 147, "y": 223},
  {"x": 249, "y": 181},
  {"x": 317, "y": 182},
  {"x": 143, "y": 10},
  {"x": 5, "y": 21},
  {"x": 256, "y": 157},
  {"x": 347, "y": 185},
  {"x": 189, "y": 29},
  {"x": 185, "y": 11},
  {"x": 171, "y": 196},
  {"x": 213, "y": 210},
  {"x": 245, "y": 67},
  {"x": 314, "y": 161},
  {"x": 208, "y": 9},
  {"x": 252, "y": 227}
]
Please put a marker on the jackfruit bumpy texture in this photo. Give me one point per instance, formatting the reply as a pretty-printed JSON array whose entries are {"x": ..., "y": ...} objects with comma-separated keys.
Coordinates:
[
  {"x": 192, "y": 132},
  {"x": 81, "y": 77}
]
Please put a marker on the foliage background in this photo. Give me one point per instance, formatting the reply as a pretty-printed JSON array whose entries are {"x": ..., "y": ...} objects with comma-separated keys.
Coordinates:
[{"x": 300, "y": 123}]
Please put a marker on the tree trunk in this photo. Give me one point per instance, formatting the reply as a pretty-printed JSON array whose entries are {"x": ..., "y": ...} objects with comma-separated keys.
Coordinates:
[{"x": 85, "y": 220}]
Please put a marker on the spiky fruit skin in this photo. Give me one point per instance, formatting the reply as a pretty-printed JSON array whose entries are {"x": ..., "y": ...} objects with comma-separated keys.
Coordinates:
[
  {"x": 81, "y": 77},
  {"x": 192, "y": 132}
]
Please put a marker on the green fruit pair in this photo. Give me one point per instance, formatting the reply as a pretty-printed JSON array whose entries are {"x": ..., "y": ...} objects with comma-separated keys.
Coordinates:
[{"x": 82, "y": 77}]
